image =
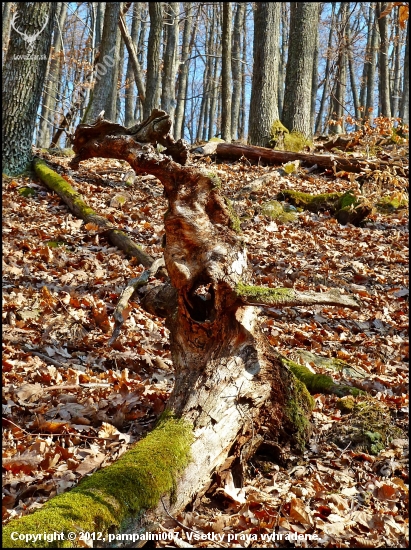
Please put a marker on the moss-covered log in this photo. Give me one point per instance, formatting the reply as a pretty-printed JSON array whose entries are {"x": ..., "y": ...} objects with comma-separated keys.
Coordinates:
[
  {"x": 283, "y": 297},
  {"x": 319, "y": 383},
  {"x": 111, "y": 500},
  {"x": 79, "y": 208},
  {"x": 345, "y": 207}
]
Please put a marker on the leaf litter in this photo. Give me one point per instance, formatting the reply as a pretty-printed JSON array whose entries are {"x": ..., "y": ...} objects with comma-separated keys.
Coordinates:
[{"x": 72, "y": 404}]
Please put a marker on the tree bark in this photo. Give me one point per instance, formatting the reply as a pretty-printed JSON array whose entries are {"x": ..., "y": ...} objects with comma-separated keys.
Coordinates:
[
  {"x": 23, "y": 78},
  {"x": 168, "y": 98},
  {"x": 133, "y": 65},
  {"x": 183, "y": 71},
  {"x": 226, "y": 90},
  {"x": 405, "y": 97},
  {"x": 236, "y": 67},
  {"x": 340, "y": 87},
  {"x": 384, "y": 73},
  {"x": 105, "y": 89},
  {"x": 319, "y": 122},
  {"x": 6, "y": 16},
  {"x": 51, "y": 90},
  {"x": 264, "y": 98},
  {"x": 297, "y": 95},
  {"x": 153, "y": 58},
  {"x": 370, "y": 105}
]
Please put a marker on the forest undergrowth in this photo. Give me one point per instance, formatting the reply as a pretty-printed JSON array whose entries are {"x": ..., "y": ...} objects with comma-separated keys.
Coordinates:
[{"x": 73, "y": 404}]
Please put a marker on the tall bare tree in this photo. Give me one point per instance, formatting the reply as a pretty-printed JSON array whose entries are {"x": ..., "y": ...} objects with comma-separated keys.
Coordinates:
[
  {"x": 152, "y": 98},
  {"x": 264, "y": 99},
  {"x": 384, "y": 73},
  {"x": 170, "y": 58},
  {"x": 226, "y": 72}
]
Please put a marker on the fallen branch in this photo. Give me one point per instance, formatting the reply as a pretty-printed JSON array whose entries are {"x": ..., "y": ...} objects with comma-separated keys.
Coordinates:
[
  {"x": 286, "y": 297},
  {"x": 133, "y": 285},
  {"x": 235, "y": 151},
  {"x": 79, "y": 208}
]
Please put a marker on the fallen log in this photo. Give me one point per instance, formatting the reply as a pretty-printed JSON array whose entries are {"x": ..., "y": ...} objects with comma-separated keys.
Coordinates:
[
  {"x": 231, "y": 388},
  {"x": 345, "y": 207},
  {"x": 79, "y": 208},
  {"x": 235, "y": 151}
]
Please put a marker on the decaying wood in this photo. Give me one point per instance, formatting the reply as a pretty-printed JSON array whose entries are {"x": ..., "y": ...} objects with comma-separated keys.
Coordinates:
[
  {"x": 79, "y": 208},
  {"x": 228, "y": 380},
  {"x": 235, "y": 151},
  {"x": 231, "y": 390}
]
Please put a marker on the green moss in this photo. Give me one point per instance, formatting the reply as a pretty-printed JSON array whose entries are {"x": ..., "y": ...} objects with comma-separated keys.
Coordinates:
[
  {"x": 347, "y": 200},
  {"x": 368, "y": 427},
  {"x": 299, "y": 405},
  {"x": 61, "y": 186},
  {"x": 277, "y": 134},
  {"x": 217, "y": 139},
  {"x": 235, "y": 222},
  {"x": 319, "y": 383},
  {"x": 215, "y": 180},
  {"x": 109, "y": 497},
  {"x": 313, "y": 203},
  {"x": 264, "y": 295},
  {"x": 275, "y": 211},
  {"x": 55, "y": 244},
  {"x": 27, "y": 192},
  {"x": 296, "y": 142},
  {"x": 390, "y": 203}
]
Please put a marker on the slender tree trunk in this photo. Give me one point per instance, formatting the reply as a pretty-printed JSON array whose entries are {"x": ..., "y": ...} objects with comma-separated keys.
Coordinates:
[
  {"x": 214, "y": 78},
  {"x": 319, "y": 122},
  {"x": 130, "y": 98},
  {"x": 353, "y": 80},
  {"x": 226, "y": 72},
  {"x": 119, "y": 101},
  {"x": 23, "y": 79},
  {"x": 297, "y": 96},
  {"x": 405, "y": 98},
  {"x": 168, "y": 97},
  {"x": 384, "y": 73},
  {"x": 6, "y": 16},
  {"x": 105, "y": 89},
  {"x": 314, "y": 83},
  {"x": 101, "y": 9},
  {"x": 236, "y": 67},
  {"x": 338, "y": 100},
  {"x": 396, "y": 73},
  {"x": 370, "y": 105},
  {"x": 52, "y": 79},
  {"x": 152, "y": 98},
  {"x": 364, "y": 79},
  {"x": 242, "y": 122},
  {"x": 264, "y": 101},
  {"x": 183, "y": 70},
  {"x": 282, "y": 58}
]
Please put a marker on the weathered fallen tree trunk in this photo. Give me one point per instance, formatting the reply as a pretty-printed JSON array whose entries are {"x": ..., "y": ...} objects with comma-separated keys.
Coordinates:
[
  {"x": 345, "y": 207},
  {"x": 79, "y": 208},
  {"x": 230, "y": 385},
  {"x": 235, "y": 151}
]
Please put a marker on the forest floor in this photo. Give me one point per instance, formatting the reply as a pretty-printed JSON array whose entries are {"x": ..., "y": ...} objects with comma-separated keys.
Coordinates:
[{"x": 73, "y": 404}]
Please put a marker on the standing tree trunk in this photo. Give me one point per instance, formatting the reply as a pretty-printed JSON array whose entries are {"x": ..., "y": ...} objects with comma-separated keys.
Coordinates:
[
  {"x": 168, "y": 94},
  {"x": 369, "y": 108},
  {"x": 384, "y": 72},
  {"x": 319, "y": 122},
  {"x": 298, "y": 80},
  {"x": 364, "y": 79},
  {"x": 338, "y": 100},
  {"x": 130, "y": 98},
  {"x": 405, "y": 97},
  {"x": 264, "y": 99},
  {"x": 242, "y": 122},
  {"x": 183, "y": 71},
  {"x": 226, "y": 73},
  {"x": 314, "y": 83},
  {"x": 6, "y": 16},
  {"x": 52, "y": 80},
  {"x": 23, "y": 78},
  {"x": 282, "y": 58},
  {"x": 353, "y": 81},
  {"x": 105, "y": 89},
  {"x": 153, "y": 58},
  {"x": 236, "y": 67}
]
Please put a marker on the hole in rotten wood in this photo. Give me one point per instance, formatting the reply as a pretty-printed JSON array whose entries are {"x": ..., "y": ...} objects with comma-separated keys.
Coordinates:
[{"x": 200, "y": 302}]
